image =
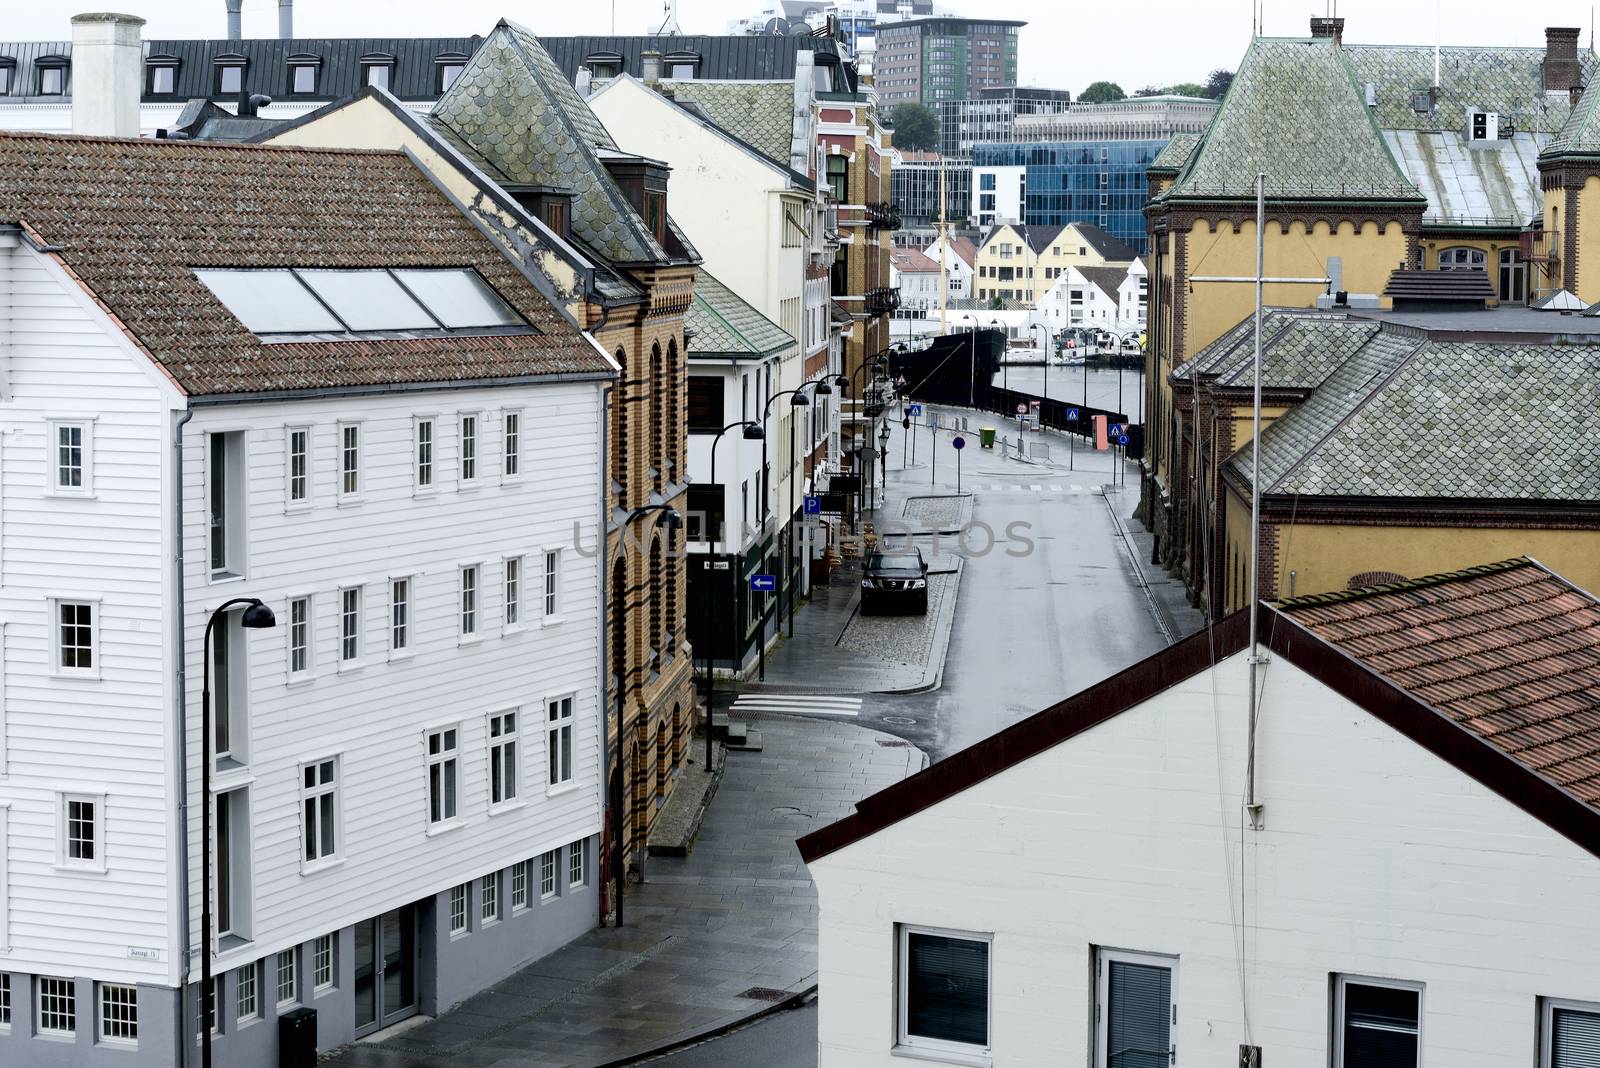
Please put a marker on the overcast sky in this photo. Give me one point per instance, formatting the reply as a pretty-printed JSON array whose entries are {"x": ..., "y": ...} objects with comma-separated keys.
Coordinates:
[{"x": 1067, "y": 43}]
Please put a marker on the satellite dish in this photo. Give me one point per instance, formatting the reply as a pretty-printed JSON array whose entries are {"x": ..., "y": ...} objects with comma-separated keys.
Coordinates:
[{"x": 777, "y": 27}]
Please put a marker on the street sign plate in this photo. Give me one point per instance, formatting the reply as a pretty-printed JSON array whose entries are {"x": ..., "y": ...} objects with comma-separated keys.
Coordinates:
[
  {"x": 763, "y": 583},
  {"x": 1022, "y": 409},
  {"x": 913, "y": 410},
  {"x": 813, "y": 505},
  {"x": 960, "y": 443},
  {"x": 1114, "y": 429},
  {"x": 1122, "y": 439},
  {"x": 1072, "y": 413}
]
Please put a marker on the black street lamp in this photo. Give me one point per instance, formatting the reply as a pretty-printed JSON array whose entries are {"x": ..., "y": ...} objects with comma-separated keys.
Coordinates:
[
  {"x": 1047, "y": 340},
  {"x": 256, "y": 616},
  {"x": 752, "y": 432},
  {"x": 797, "y": 399},
  {"x": 672, "y": 521},
  {"x": 879, "y": 364},
  {"x": 972, "y": 361},
  {"x": 883, "y": 458}
]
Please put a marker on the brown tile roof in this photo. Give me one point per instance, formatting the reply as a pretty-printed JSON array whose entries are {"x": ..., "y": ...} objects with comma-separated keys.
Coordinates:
[
  {"x": 909, "y": 259},
  {"x": 134, "y": 217},
  {"x": 963, "y": 247},
  {"x": 1510, "y": 651}
]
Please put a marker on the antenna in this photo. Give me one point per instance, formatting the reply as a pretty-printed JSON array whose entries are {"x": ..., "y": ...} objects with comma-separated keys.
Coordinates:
[{"x": 1438, "y": 31}]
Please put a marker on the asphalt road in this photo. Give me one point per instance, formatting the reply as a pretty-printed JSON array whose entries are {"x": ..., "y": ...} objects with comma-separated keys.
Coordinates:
[
  {"x": 1066, "y": 384},
  {"x": 784, "y": 1040}
]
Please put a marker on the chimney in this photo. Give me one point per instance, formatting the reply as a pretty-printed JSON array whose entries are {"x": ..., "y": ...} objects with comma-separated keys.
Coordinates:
[
  {"x": 1328, "y": 27},
  {"x": 583, "y": 82},
  {"x": 235, "y": 25},
  {"x": 1562, "y": 71},
  {"x": 107, "y": 74},
  {"x": 285, "y": 19},
  {"x": 650, "y": 67}
]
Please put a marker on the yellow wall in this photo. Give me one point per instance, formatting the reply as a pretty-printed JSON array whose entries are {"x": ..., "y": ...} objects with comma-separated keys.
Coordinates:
[
  {"x": 1062, "y": 252},
  {"x": 1589, "y": 240},
  {"x": 1369, "y": 257}
]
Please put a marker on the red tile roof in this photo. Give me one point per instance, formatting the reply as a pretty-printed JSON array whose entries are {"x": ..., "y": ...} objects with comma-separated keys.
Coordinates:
[
  {"x": 1510, "y": 651},
  {"x": 134, "y": 217},
  {"x": 909, "y": 259}
]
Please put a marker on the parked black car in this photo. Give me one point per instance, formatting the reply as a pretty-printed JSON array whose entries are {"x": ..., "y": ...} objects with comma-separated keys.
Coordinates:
[{"x": 895, "y": 578}]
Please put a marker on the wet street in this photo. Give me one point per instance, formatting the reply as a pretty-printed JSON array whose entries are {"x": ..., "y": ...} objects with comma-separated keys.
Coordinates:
[{"x": 1067, "y": 384}]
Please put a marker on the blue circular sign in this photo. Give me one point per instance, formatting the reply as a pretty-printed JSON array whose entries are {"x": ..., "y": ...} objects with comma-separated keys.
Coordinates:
[
  {"x": 960, "y": 443},
  {"x": 1122, "y": 439}
]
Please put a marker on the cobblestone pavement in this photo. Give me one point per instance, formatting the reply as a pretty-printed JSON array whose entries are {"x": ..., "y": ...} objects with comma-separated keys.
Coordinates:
[
  {"x": 739, "y": 912},
  {"x": 902, "y": 639},
  {"x": 937, "y": 513}
]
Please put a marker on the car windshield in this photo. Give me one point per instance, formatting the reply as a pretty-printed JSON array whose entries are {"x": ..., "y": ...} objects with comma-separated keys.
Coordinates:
[{"x": 895, "y": 561}]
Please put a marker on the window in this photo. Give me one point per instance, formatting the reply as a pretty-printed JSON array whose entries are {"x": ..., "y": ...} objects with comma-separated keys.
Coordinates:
[
  {"x": 552, "y": 583},
  {"x": 246, "y": 1000},
  {"x": 5, "y": 986},
  {"x": 943, "y": 1001},
  {"x": 82, "y": 844},
  {"x": 604, "y": 65},
  {"x": 206, "y": 1014},
  {"x": 71, "y": 469},
  {"x": 8, "y": 71},
  {"x": 511, "y": 444},
  {"x": 503, "y": 758},
  {"x": 1569, "y": 1034},
  {"x": 1135, "y": 1008},
  {"x": 577, "y": 864},
  {"x": 838, "y": 176},
  {"x": 458, "y": 909},
  {"x": 378, "y": 74},
  {"x": 322, "y": 962},
  {"x": 442, "y": 781},
  {"x": 225, "y": 485},
  {"x": 469, "y": 602},
  {"x": 58, "y": 1006},
  {"x": 349, "y": 460},
  {"x": 555, "y": 216},
  {"x": 424, "y": 471},
  {"x": 1376, "y": 1022},
  {"x": 299, "y": 441},
  {"x": 469, "y": 448},
  {"x": 399, "y": 615},
  {"x": 350, "y": 625},
  {"x": 230, "y": 78},
  {"x": 233, "y": 863},
  {"x": 521, "y": 876},
  {"x": 319, "y": 806},
  {"x": 450, "y": 68},
  {"x": 705, "y": 404},
  {"x": 1462, "y": 259},
  {"x": 299, "y": 635},
  {"x": 119, "y": 1013},
  {"x": 75, "y": 637},
  {"x": 303, "y": 78},
  {"x": 547, "y": 874},
  {"x": 513, "y": 590},
  {"x": 287, "y": 986},
  {"x": 489, "y": 899},
  {"x": 559, "y": 732},
  {"x": 52, "y": 79}
]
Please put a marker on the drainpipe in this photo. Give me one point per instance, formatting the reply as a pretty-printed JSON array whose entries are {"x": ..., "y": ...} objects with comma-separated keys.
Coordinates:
[
  {"x": 601, "y": 556},
  {"x": 180, "y": 721}
]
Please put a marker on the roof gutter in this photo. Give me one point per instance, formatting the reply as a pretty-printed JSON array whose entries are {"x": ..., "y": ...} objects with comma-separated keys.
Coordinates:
[
  {"x": 29, "y": 239},
  {"x": 267, "y": 396}
]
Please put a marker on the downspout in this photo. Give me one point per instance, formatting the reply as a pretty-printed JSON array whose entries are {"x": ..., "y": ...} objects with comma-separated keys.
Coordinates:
[
  {"x": 602, "y": 556},
  {"x": 181, "y": 719}
]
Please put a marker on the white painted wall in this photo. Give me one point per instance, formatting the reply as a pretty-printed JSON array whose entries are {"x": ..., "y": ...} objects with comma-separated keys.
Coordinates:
[
  {"x": 1007, "y": 195},
  {"x": 738, "y": 460},
  {"x": 1377, "y": 859},
  {"x": 958, "y": 276}
]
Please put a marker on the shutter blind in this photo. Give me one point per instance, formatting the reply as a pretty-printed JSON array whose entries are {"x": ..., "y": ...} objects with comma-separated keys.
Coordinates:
[
  {"x": 1139, "y": 1018},
  {"x": 1577, "y": 1040},
  {"x": 948, "y": 989}
]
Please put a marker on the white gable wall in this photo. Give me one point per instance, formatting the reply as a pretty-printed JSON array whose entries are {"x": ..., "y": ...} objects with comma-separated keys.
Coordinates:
[{"x": 1377, "y": 859}]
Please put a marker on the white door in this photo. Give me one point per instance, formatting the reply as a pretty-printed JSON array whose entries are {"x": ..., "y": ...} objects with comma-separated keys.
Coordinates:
[{"x": 1136, "y": 1010}]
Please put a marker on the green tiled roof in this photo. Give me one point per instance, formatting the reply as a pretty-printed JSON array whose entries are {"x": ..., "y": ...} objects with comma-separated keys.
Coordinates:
[
  {"x": 725, "y": 325},
  {"x": 761, "y": 114},
  {"x": 1506, "y": 80},
  {"x": 1228, "y": 359},
  {"x": 1175, "y": 153},
  {"x": 514, "y": 112},
  {"x": 1294, "y": 112},
  {"x": 1581, "y": 134}
]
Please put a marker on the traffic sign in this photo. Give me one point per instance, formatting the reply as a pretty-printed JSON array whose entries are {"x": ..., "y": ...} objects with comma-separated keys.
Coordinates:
[
  {"x": 1122, "y": 439},
  {"x": 763, "y": 583},
  {"x": 913, "y": 410},
  {"x": 1022, "y": 409},
  {"x": 1072, "y": 413},
  {"x": 813, "y": 504},
  {"x": 1114, "y": 429},
  {"x": 959, "y": 443}
]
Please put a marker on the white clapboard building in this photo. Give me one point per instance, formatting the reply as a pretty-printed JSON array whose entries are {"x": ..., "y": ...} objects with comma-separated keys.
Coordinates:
[
  {"x": 300, "y": 376},
  {"x": 1087, "y": 888}
]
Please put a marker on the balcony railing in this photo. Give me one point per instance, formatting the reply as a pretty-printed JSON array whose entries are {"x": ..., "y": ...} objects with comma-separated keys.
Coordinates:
[
  {"x": 882, "y": 301},
  {"x": 881, "y": 216}
]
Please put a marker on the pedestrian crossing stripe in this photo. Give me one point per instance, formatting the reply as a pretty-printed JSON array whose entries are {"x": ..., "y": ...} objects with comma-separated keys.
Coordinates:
[
  {"x": 997, "y": 487},
  {"x": 798, "y": 704}
]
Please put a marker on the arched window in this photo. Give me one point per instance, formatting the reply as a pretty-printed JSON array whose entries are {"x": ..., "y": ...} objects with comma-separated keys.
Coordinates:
[
  {"x": 674, "y": 427},
  {"x": 1462, "y": 258},
  {"x": 619, "y": 428},
  {"x": 657, "y": 640},
  {"x": 657, "y": 463},
  {"x": 619, "y": 625},
  {"x": 669, "y": 642}
]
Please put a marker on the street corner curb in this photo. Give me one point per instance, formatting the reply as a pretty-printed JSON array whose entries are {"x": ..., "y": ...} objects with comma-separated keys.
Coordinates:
[
  {"x": 941, "y": 638},
  {"x": 717, "y": 1030}
]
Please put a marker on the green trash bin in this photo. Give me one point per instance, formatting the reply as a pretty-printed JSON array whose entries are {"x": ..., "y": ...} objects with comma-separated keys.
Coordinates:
[{"x": 986, "y": 436}]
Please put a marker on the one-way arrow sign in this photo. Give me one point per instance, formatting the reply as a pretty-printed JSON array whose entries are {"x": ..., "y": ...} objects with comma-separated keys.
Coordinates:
[{"x": 763, "y": 583}]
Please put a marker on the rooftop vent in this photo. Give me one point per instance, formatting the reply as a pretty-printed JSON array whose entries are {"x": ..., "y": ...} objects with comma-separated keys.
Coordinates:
[{"x": 1328, "y": 27}]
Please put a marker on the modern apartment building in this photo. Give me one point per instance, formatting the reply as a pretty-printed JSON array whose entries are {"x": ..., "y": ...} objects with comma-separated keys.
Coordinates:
[
  {"x": 921, "y": 193},
  {"x": 993, "y": 114},
  {"x": 1053, "y": 184},
  {"x": 929, "y": 60}
]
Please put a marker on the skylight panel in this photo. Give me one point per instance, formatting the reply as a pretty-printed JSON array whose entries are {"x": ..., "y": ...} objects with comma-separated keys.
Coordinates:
[
  {"x": 269, "y": 302},
  {"x": 368, "y": 300},
  {"x": 460, "y": 299}
]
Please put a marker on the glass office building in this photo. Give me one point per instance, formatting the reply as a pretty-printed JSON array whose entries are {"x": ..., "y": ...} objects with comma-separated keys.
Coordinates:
[{"x": 1100, "y": 182}]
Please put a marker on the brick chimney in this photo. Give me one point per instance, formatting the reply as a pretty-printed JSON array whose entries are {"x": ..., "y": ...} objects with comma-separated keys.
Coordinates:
[
  {"x": 107, "y": 74},
  {"x": 1562, "y": 71},
  {"x": 1325, "y": 27}
]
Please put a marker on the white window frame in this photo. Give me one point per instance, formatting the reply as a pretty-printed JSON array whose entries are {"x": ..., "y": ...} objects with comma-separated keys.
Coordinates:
[
  {"x": 292, "y": 958},
  {"x": 402, "y": 616},
  {"x": 511, "y": 444},
  {"x": 424, "y": 464},
  {"x": 253, "y": 971},
  {"x": 513, "y": 592},
  {"x": 521, "y": 885},
  {"x": 311, "y": 814},
  {"x": 460, "y": 915},
  {"x": 469, "y": 603},
  {"x": 71, "y": 993},
  {"x": 5, "y": 1001},
  {"x": 64, "y": 859},
  {"x": 235, "y": 510},
  {"x": 550, "y": 586},
  {"x": 291, "y": 503},
  {"x": 564, "y": 722},
  {"x": 351, "y": 480},
  {"x": 904, "y": 1040},
  {"x": 469, "y": 448},
  {"x": 449, "y": 815},
  {"x": 1548, "y": 1007},
  {"x": 352, "y": 640},
  {"x": 577, "y": 863},
  {"x": 309, "y": 649},
  {"x": 550, "y": 874},
  {"x": 507, "y": 778},
  {"x": 489, "y": 900},
  {"x": 57, "y": 648},
  {"x": 1340, "y": 981},
  {"x": 85, "y": 487},
  {"x": 324, "y": 965},
  {"x": 102, "y": 1018}
]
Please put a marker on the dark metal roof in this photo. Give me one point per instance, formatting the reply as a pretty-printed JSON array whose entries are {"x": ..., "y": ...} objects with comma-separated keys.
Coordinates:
[
  {"x": 340, "y": 74},
  {"x": 728, "y": 58}
]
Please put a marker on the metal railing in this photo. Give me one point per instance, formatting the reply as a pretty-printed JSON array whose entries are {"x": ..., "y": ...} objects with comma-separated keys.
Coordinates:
[{"x": 881, "y": 301}]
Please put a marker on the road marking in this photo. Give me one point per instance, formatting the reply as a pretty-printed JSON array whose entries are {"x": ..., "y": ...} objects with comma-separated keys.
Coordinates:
[
  {"x": 799, "y": 704},
  {"x": 1036, "y": 489}
]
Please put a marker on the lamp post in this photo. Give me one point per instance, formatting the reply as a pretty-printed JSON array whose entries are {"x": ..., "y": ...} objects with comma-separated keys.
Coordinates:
[
  {"x": 1046, "y": 349},
  {"x": 883, "y": 458},
  {"x": 797, "y": 399},
  {"x": 256, "y": 616},
  {"x": 972, "y": 362},
  {"x": 878, "y": 365},
  {"x": 673, "y": 522},
  {"x": 752, "y": 432}
]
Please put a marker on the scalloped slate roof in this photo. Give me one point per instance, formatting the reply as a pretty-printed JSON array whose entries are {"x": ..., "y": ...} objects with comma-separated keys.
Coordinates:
[
  {"x": 516, "y": 112},
  {"x": 726, "y": 325},
  {"x": 1494, "y": 78},
  {"x": 1581, "y": 133},
  {"x": 1175, "y": 153},
  {"x": 1230, "y": 356},
  {"x": 761, "y": 114},
  {"x": 1302, "y": 353}
]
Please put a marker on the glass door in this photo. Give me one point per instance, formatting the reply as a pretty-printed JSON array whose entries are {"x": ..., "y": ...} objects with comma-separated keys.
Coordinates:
[
  {"x": 1136, "y": 1007},
  {"x": 385, "y": 970}
]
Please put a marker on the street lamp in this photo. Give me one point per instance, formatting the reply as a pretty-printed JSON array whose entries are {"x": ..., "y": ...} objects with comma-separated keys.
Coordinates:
[
  {"x": 1046, "y": 349},
  {"x": 879, "y": 364},
  {"x": 972, "y": 362},
  {"x": 752, "y": 432},
  {"x": 883, "y": 458},
  {"x": 797, "y": 399},
  {"x": 256, "y": 616},
  {"x": 672, "y": 521}
]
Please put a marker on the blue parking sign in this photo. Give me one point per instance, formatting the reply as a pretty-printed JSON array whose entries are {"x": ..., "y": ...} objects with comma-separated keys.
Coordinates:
[{"x": 813, "y": 505}]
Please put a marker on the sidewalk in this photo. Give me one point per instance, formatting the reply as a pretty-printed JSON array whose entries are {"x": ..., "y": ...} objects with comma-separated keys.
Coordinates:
[{"x": 712, "y": 939}]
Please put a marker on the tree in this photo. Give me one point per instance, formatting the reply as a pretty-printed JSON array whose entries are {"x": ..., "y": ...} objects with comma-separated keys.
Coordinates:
[
  {"x": 1102, "y": 93},
  {"x": 1217, "y": 83},
  {"x": 1186, "y": 89},
  {"x": 1149, "y": 90},
  {"x": 915, "y": 127}
]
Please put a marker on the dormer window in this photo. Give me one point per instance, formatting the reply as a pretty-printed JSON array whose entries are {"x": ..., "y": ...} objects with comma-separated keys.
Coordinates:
[
  {"x": 604, "y": 64},
  {"x": 230, "y": 74},
  {"x": 161, "y": 75},
  {"x": 682, "y": 65},
  {"x": 449, "y": 66},
  {"x": 377, "y": 69},
  {"x": 52, "y": 75},
  {"x": 8, "y": 73},
  {"x": 304, "y": 72}
]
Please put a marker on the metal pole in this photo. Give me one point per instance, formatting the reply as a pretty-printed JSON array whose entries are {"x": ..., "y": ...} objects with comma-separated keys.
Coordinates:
[
  {"x": 788, "y": 560},
  {"x": 972, "y": 368},
  {"x": 205, "y": 847},
  {"x": 711, "y": 656},
  {"x": 618, "y": 821},
  {"x": 1255, "y": 505}
]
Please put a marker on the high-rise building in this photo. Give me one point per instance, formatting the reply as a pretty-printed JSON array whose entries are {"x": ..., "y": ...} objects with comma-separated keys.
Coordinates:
[
  {"x": 915, "y": 187},
  {"x": 926, "y": 60},
  {"x": 1055, "y": 183},
  {"x": 992, "y": 115},
  {"x": 855, "y": 20}
]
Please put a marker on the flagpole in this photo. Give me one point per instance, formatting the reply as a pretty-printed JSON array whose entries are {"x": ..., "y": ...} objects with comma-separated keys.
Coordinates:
[{"x": 1251, "y": 806}]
